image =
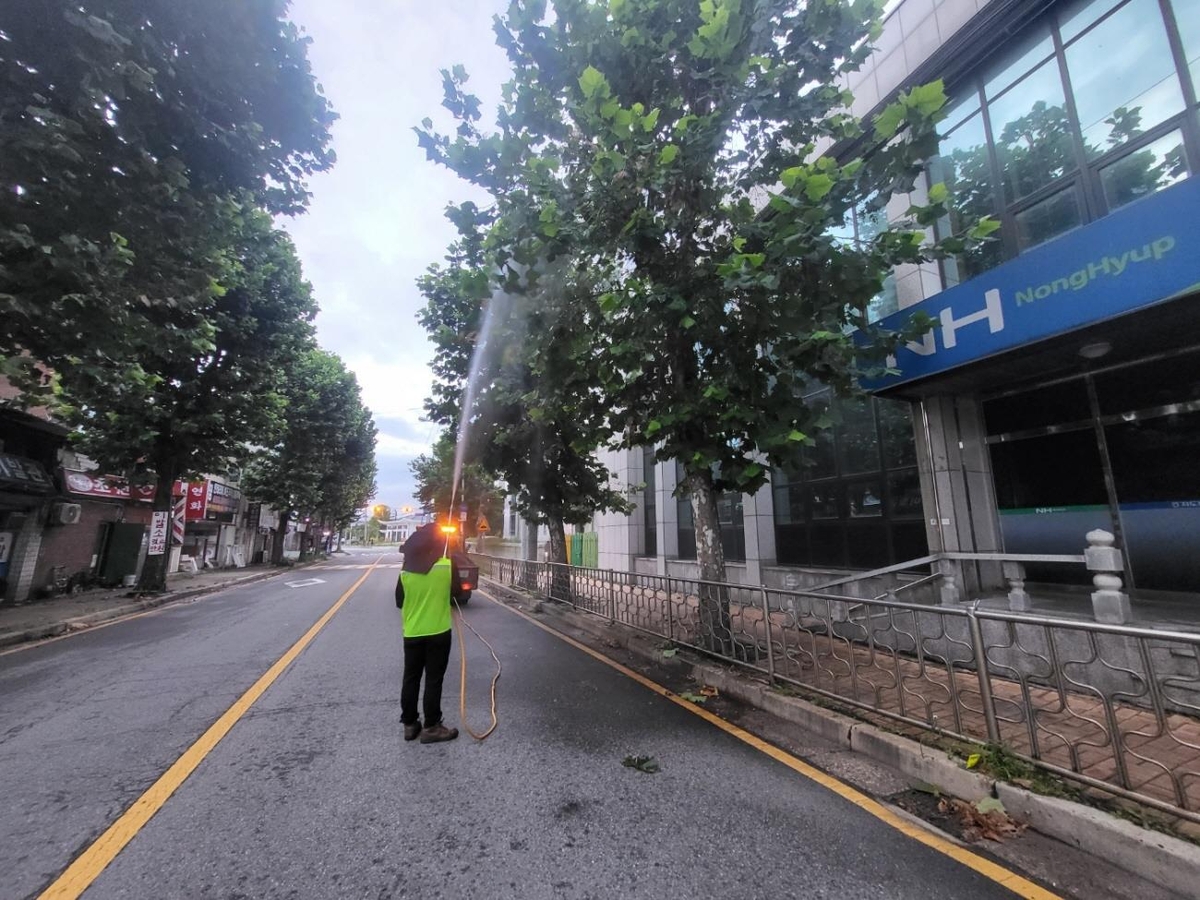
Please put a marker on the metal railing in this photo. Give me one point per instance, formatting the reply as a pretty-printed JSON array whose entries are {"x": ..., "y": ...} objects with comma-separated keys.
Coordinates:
[{"x": 1113, "y": 707}]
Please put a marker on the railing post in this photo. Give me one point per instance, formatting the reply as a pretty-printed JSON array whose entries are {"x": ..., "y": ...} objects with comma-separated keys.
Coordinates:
[
  {"x": 1109, "y": 603},
  {"x": 1018, "y": 597},
  {"x": 670, "y": 613},
  {"x": 766, "y": 607},
  {"x": 985, "y": 679}
]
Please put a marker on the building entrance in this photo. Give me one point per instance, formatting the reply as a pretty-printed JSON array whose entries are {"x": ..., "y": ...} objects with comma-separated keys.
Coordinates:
[{"x": 1115, "y": 448}]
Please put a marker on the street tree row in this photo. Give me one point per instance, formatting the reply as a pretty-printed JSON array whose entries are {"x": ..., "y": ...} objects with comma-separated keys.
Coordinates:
[
  {"x": 671, "y": 237},
  {"x": 147, "y": 295}
]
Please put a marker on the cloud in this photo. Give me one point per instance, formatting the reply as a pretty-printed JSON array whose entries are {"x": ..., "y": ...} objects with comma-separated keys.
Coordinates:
[{"x": 375, "y": 221}]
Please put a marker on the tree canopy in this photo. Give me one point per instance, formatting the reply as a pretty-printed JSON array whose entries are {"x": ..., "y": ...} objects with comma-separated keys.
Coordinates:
[
  {"x": 510, "y": 384},
  {"x": 321, "y": 462},
  {"x": 125, "y": 129},
  {"x": 436, "y": 490},
  {"x": 679, "y": 150}
]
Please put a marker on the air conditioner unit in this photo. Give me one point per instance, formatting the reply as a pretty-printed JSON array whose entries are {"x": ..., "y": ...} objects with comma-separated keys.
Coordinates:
[{"x": 66, "y": 513}]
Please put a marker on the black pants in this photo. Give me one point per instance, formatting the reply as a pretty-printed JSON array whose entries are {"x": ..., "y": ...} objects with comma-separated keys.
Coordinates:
[{"x": 426, "y": 656}]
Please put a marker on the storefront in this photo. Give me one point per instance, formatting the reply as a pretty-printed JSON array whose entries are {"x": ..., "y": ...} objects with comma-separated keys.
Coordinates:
[{"x": 1082, "y": 362}]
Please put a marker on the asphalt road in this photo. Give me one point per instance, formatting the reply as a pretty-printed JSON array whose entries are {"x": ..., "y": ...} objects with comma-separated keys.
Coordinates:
[{"x": 313, "y": 793}]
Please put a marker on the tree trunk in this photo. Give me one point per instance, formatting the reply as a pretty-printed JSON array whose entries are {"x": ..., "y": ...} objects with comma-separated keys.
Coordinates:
[
  {"x": 716, "y": 633},
  {"x": 560, "y": 580},
  {"x": 529, "y": 552},
  {"x": 558, "y": 541},
  {"x": 277, "y": 543},
  {"x": 153, "y": 579}
]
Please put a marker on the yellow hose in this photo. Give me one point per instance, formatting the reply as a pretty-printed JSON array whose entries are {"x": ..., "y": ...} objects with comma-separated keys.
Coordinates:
[{"x": 462, "y": 694}]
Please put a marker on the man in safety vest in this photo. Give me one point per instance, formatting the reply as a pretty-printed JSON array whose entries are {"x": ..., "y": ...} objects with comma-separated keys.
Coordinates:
[{"x": 423, "y": 594}]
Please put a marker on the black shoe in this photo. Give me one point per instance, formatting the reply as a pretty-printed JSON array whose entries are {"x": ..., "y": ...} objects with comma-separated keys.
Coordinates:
[
  {"x": 435, "y": 734},
  {"x": 411, "y": 731}
]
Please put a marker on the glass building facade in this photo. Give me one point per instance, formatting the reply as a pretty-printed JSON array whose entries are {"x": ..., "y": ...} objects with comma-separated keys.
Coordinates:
[
  {"x": 852, "y": 499},
  {"x": 1091, "y": 108}
]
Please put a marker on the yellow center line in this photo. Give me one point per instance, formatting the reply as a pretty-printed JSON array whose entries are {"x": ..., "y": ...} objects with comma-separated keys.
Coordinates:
[
  {"x": 79, "y": 876},
  {"x": 1018, "y": 884}
]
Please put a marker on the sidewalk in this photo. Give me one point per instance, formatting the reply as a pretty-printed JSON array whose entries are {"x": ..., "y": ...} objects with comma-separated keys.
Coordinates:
[{"x": 40, "y": 619}]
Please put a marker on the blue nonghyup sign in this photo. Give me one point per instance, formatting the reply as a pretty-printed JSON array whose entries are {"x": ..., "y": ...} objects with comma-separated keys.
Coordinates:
[{"x": 1136, "y": 257}]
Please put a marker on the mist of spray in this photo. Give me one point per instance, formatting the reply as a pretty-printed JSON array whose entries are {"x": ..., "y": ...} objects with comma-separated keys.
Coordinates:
[{"x": 494, "y": 312}]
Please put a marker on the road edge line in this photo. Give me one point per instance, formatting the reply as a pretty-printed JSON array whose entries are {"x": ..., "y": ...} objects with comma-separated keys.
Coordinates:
[{"x": 86, "y": 867}]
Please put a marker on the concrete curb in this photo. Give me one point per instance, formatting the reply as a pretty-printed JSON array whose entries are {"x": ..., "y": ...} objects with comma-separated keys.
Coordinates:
[
  {"x": 1160, "y": 858},
  {"x": 80, "y": 623},
  {"x": 1157, "y": 857}
]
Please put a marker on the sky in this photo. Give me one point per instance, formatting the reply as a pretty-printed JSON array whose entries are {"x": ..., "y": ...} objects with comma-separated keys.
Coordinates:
[{"x": 376, "y": 222}]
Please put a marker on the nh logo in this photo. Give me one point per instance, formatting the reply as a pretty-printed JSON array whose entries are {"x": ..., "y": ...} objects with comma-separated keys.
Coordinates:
[{"x": 992, "y": 313}]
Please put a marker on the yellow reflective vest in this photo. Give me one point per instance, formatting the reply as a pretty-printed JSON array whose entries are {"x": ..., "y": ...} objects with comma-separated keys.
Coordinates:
[{"x": 426, "y": 607}]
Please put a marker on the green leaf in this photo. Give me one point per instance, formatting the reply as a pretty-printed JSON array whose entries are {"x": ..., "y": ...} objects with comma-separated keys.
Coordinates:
[
  {"x": 693, "y": 698},
  {"x": 654, "y": 427},
  {"x": 753, "y": 470},
  {"x": 985, "y": 227},
  {"x": 687, "y": 322},
  {"x": 789, "y": 177},
  {"x": 927, "y": 98},
  {"x": 592, "y": 82},
  {"x": 650, "y": 120},
  {"x": 795, "y": 435},
  {"x": 669, "y": 652},
  {"x": 888, "y": 122},
  {"x": 973, "y": 760},
  {"x": 938, "y": 193},
  {"x": 818, "y": 186},
  {"x": 668, "y": 154}
]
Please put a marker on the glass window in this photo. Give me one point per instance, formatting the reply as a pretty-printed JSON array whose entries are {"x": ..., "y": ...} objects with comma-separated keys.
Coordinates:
[
  {"x": 1175, "y": 379},
  {"x": 1032, "y": 132},
  {"x": 1145, "y": 171},
  {"x": 859, "y": 443},
  {"x": 1077, "y": 17},
  {"x": 904, "y": 493},
  {"x": 964, "y": 165},
  {"x": 1155, "y": 459},
  {"x": 1048, "y": 218},
  {"x": 821, "y": 457},
  {"x": 1054, "y": 470},
  {"x": 896, "y": 424},
  {"x": 864, "y": 499},
  {"x": 885, "y": 302},
  {"x": 828, "y": 545},
  {"x": 686, "y": 529},
  {"x": 1052, "y": 404},
  {"x": 1123, "y": 76},
  {"x": 1024, "y": 58},
  {"x": 824, "y": 502}
]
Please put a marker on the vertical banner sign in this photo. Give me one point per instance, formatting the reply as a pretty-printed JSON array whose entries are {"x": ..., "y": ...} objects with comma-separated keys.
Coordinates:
[
  {"x": 178, "y": 521},
  {"x": 160, "y": 529},
  {"x": 462, "y": 513},
  {"x": 197, "y": 501}
]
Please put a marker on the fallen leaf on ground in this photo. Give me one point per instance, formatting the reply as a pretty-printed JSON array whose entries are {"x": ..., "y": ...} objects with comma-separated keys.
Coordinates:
[
  {"x": 647, "y": 764},
  {"x": 985, "y": 820}
]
